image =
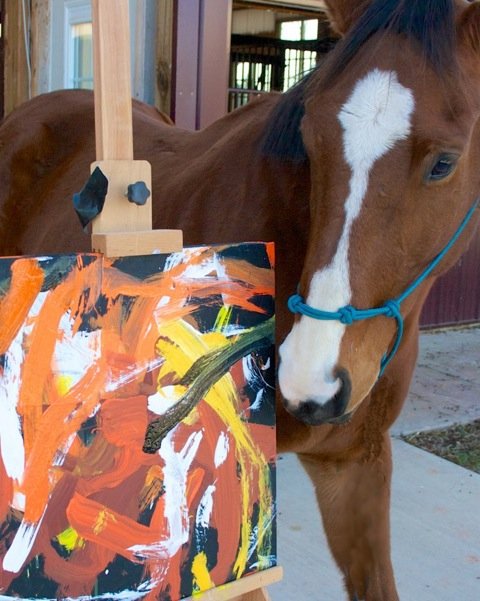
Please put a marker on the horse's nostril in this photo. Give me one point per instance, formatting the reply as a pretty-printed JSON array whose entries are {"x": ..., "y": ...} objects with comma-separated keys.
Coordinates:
[
  {"x": 309, "y": 408},
  {"x": 342, "y": 396},
  {"x": 315, "y": 413}
]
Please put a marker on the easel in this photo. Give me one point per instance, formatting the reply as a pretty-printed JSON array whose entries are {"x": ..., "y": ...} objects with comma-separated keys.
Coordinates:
[{"x": 123, "y": 228}]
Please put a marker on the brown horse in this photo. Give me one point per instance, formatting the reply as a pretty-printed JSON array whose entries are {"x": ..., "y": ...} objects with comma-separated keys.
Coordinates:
[{"x": 361, "y": 175}]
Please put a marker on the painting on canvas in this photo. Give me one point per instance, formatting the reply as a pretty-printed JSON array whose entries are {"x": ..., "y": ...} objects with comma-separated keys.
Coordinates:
[{"x": 137, "y": 440}]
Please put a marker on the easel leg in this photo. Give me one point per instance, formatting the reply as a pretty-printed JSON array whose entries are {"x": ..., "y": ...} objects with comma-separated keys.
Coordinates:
[{"x": 260, "y": 594}]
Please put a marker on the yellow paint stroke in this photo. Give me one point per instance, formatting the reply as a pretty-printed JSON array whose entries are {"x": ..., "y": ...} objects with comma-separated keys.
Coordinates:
[
  {"x": 70, "y": 539},
  {"x": 178, "y": 357},
  {"x": 223, "y": 318},
  {"x": 201, "y": 575},
  {"x": 63, "y": 384},
  {"x": 103, "y": 518}
]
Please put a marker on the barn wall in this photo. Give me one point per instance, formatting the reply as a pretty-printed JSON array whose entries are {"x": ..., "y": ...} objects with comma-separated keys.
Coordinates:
[
  {"x": 455, "y": 298},
  {"x": 202, "y": 58}
]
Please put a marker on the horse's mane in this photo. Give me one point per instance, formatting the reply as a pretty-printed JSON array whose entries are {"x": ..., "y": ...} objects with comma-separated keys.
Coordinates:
[{"x": 429, "y": 23}]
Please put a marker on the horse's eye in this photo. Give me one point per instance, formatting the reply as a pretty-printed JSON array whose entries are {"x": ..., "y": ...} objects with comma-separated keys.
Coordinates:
[{"x": 445, "y": 165}]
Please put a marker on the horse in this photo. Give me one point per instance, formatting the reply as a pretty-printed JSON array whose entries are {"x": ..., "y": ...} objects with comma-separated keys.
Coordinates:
[{"x": 364, "y": 175}]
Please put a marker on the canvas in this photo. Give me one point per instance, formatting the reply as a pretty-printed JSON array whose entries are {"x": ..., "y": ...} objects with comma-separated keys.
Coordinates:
[{"x": 137, "y": 439}]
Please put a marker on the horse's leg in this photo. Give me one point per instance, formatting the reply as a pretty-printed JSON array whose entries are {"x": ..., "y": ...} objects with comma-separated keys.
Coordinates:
[{"x": 354, "y": 499}]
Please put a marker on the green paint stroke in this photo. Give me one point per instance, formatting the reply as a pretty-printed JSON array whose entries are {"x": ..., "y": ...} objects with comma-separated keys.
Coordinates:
[{"x": 203, "y": 374}]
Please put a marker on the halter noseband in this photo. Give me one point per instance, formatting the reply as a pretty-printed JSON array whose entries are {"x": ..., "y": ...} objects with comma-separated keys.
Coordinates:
[{"x": 391, "y": 308}]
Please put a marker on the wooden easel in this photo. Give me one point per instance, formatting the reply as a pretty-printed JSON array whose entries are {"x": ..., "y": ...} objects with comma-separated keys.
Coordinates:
[{"x": 123, "y": 228}]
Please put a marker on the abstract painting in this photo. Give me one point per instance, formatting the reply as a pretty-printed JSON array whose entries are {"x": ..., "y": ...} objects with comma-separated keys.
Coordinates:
[{"x": 137, "y": 429}]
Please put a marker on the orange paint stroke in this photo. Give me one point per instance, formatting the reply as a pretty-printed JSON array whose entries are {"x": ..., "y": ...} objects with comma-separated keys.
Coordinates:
[
  {"x": 178, "y": 287},
  {"x": 152, "y": 489},
  {"x": 25, "y": 285},
  {"x": 123, "y": 422},
  {"x": 227, "y": 508},
  {"x": 58, "y": 422},
  {"x": 99, "y": 524},
  {"x": 127, "y": 460},
  {"x": 194, "y": 483},
  {"x": 37, "y": 367},
  {"x": 270, "y": 246}
]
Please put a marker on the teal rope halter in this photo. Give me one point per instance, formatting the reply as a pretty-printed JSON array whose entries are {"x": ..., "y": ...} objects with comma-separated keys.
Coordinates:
[{"x": 391, "y": 308}]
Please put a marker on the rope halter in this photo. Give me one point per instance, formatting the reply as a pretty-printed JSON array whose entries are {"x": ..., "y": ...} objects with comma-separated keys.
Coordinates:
[{"x": 391, "y": 308}]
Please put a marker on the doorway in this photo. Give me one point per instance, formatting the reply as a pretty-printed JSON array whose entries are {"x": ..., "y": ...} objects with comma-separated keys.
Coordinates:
[{"x": 273, "y": 47}]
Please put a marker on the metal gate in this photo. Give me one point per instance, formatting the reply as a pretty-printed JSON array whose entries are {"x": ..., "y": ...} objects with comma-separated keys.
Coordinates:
[{"x": 261, "y": 64}]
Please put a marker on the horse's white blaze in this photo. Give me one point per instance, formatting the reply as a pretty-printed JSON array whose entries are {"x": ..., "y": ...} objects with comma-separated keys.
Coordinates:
[{"x": 375, "y": 117}]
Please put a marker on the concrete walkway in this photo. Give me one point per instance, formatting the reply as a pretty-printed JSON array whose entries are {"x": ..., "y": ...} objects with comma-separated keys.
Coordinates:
[{"x": 435, "y": 504}]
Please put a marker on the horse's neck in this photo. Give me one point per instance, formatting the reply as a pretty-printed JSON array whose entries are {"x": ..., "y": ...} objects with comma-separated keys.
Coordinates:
[
  {"x": 217, "y": 186},
  {"x": 224, "y": 188}
]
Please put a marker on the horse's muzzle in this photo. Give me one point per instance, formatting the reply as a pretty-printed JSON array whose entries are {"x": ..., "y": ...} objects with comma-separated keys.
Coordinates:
[{"x": 332, "y": 412}]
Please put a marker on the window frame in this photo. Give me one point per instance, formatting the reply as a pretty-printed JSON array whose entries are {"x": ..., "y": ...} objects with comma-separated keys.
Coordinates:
[{"x": 66, "y": 13}]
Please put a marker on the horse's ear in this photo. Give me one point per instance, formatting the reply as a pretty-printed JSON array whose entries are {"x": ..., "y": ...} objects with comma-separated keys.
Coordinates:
[
  {"x": 468, "y": 27},
  {"x": 342, "y": 14}
]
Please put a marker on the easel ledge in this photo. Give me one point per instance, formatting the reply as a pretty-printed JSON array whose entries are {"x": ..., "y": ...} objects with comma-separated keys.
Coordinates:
[{"x": 248, "y": 588}]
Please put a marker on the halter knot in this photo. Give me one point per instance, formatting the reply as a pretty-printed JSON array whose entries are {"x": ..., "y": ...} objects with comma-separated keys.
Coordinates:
[
  {"x": 294, "y": 303},
  {"x": 347, "y": 315},
  {"x": 393, "y": 309}
]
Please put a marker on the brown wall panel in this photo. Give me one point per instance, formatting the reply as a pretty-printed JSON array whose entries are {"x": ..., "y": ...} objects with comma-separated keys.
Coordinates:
[{"x": 455, "y": 298}]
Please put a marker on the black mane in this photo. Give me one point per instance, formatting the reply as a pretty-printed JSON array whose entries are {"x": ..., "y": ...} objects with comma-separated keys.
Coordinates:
[{"x": 429, "y": 23}]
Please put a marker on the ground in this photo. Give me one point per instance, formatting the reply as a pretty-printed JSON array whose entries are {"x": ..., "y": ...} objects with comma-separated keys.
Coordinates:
[
  {"x": 442, "y": 412},
  {"x": 460, "y": 444}
]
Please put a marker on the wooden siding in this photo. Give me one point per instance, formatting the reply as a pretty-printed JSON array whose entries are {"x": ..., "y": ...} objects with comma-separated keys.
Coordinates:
[
  {"x": 2, "y": 60},
  {"x": 455, "y": 298},
  {"x": 164, "y": 54},
  {"x": 16, "y": 80}
]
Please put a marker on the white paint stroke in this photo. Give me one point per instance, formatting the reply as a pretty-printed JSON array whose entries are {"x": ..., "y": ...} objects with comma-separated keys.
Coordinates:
[
  {"x": 163, "y": 400},
  {"x": 11, "y": 436},
  {"x": 175, "y": 473},
  {"x": 21, "y": 546},
  {"x": 205, "y": 507},
  {"x": 212, "y": 267},
  {"x": 221, "y": 449},
  {"x": 75, "y": 351},
  {"x": 131, "y": 373}
]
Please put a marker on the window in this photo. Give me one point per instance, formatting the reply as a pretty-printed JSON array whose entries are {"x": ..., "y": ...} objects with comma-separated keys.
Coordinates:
[
  {"x": 298, "y": 61},
  {"x": 72, "y": 57},
  {"x": 71, "y": 50},
  {"x": 80, "y": 71}
]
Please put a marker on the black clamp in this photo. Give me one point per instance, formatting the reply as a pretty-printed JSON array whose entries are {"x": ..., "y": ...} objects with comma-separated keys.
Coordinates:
[
  {"x": 89, "y": 202},
  {"x": 138, "y": 193}
]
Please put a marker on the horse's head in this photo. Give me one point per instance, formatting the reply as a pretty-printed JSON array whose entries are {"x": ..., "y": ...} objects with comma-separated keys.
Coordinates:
[{"x": 392, "y": 134}]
